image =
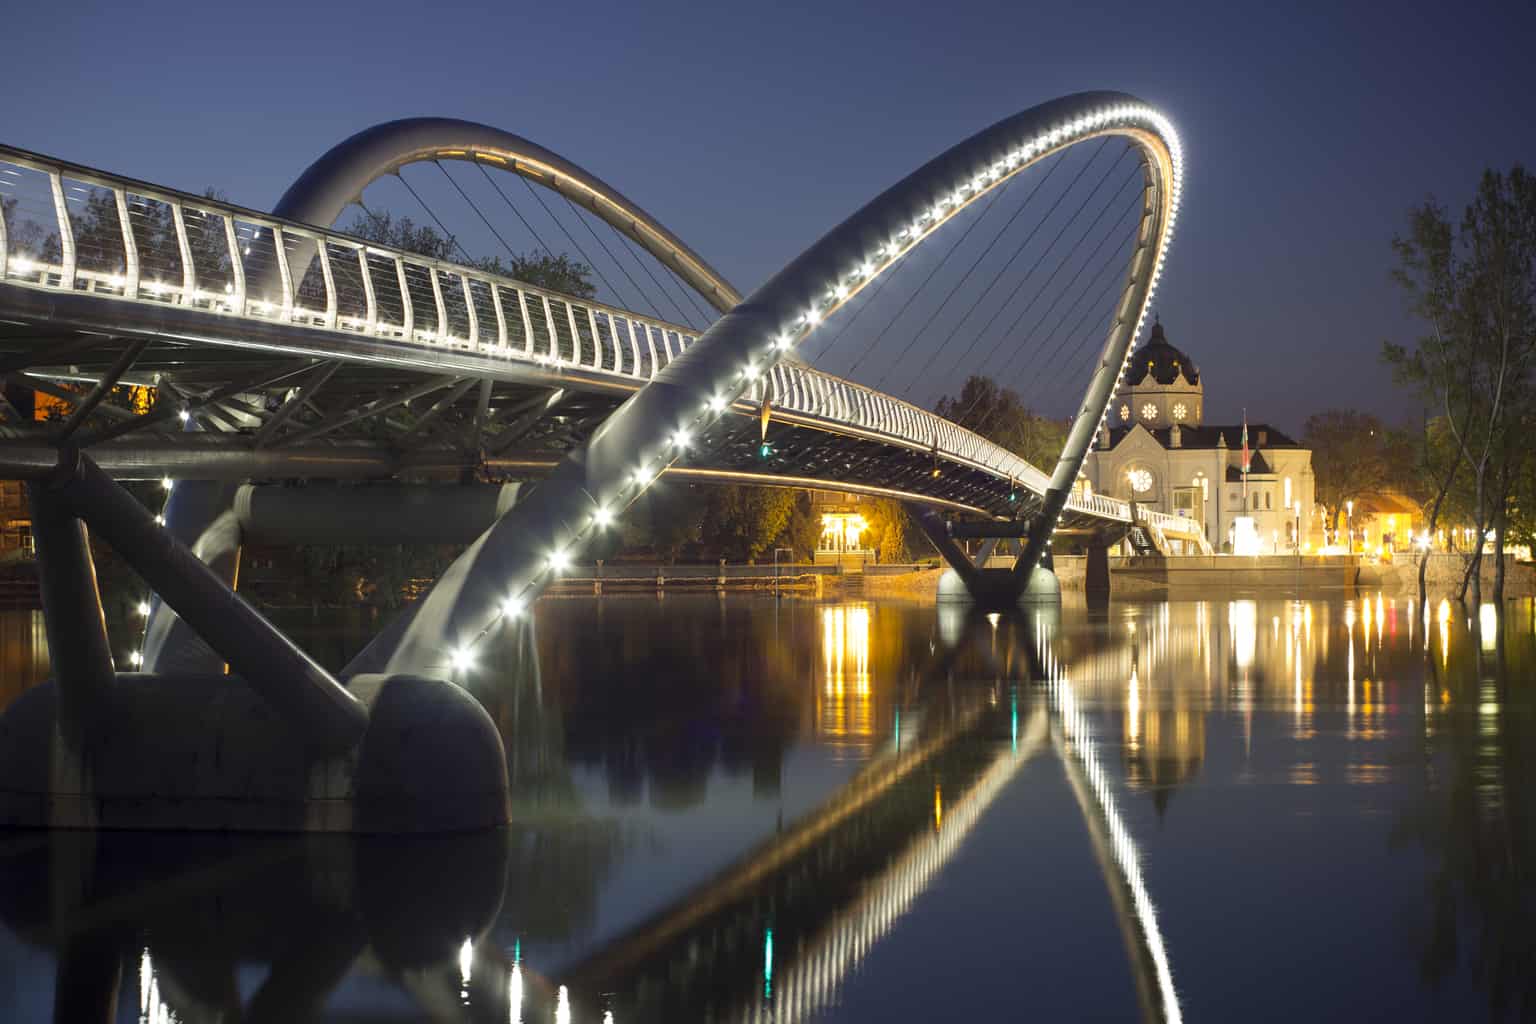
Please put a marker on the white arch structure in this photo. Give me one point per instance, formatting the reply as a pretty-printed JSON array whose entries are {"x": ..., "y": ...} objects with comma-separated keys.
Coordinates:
[{"x": 502, "y": 572}]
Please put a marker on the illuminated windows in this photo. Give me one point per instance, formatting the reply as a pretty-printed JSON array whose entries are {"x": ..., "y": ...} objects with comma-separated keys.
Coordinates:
[
  {"x": 1140, "y": 480},
  {"x": 1149, "y": 411},
  {"x": 1125, "y": 412},
  {"x": 1180, "y": 412}
]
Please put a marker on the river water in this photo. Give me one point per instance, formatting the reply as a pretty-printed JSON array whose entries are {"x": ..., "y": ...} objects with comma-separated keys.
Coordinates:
[{"x": 1241, "y": 808}]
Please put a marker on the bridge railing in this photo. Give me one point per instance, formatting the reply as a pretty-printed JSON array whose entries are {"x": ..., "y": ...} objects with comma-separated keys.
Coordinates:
[
  {"x": 68, "y": 228},
  {"x": 813, "y": 394}
]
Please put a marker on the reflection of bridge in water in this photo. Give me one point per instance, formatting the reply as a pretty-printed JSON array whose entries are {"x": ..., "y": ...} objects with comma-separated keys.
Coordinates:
[
  {"x": 772, "y": 937},
  {"x": 775, "y": 936}
]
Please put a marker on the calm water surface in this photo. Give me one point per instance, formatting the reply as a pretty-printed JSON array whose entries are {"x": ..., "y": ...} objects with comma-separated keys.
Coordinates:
[{"x": 732, "y": 810}]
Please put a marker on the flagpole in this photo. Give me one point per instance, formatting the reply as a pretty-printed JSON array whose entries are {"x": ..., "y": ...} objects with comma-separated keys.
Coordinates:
[{"x": 1245, "y": 460}]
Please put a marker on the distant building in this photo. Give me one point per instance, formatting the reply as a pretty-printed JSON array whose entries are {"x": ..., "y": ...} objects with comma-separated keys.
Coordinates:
[{"x": 1157, "y": 450}]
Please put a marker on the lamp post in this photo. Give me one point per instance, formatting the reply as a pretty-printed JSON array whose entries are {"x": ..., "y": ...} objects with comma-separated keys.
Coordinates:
[{"x": 1349, "y": 523}]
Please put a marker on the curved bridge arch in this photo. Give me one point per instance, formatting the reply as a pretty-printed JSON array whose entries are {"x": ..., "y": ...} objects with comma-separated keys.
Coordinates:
[
  {"x": 509, "y": 565},
  {"x": 337, "y": 179}
]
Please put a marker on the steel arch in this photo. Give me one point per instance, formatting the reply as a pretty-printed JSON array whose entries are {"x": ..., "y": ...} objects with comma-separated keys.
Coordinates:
[
  {"x": 509, "y": 565},
  {"x": 337, "y": 179}
]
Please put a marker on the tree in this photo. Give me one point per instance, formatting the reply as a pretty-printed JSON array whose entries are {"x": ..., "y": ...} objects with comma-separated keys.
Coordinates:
[
  {"x": 893, "y": 534},
  {"x": 1475, "y": 287},
  {"x": 999, "y": 414},
  {"x": 1351, "y": 456},
  {"x": 743, "y": 523}
]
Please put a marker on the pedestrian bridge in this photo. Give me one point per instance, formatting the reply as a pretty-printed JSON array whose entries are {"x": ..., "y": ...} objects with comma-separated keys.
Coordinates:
[
  {"x": 105, "y": 279},
  {"x": 281, "y": 349}
]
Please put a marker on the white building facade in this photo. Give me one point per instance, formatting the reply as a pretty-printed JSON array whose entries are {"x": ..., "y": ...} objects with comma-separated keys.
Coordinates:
[{"x": 1157, "y": 450}]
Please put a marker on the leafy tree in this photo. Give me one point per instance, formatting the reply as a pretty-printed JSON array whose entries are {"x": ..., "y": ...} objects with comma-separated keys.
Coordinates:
[
  {"x": 1475, "y": 287},
  {"x": 742, "y": 523},
  {"x": 665, "y": 519},
  {"x": 1351, "y": 456},
  {"x": 999, "y": 414},
  {"x": 893, "y": 534}
]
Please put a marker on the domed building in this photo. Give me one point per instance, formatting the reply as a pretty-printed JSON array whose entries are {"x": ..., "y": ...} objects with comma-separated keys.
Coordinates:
[
  {"x": 1157, "y": 450},
  {"x": 1162, "y": 386}
]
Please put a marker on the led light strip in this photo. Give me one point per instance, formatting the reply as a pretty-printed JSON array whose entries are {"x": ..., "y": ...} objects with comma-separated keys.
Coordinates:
[{"x": 605, "y": 508}]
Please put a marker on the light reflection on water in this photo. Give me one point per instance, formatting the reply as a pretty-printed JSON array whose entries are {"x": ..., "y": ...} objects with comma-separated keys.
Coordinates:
[{"x": 755, "y": 808}]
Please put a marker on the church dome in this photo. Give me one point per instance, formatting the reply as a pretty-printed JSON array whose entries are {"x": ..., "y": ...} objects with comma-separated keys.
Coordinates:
[{"x": 1162, "y": 362}]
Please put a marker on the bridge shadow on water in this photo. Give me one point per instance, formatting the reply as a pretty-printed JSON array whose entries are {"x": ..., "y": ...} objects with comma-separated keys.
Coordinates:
[{"x": 625, "y": 732}]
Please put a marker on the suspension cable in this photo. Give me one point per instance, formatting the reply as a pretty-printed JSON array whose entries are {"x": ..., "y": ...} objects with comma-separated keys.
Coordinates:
[
  {"x": 688, "y": 293},
  {"x": 1076, "y": 331},
  {"x": 1107, "y": 265},
  {"x": 378, "y": 221},
  {"x": 996, "y": 195},
  {"x": 1021, "y": 248},
  {"x": 874, "y": 294},
  {"x": 483, "y": 219},
  {"x": 569, "y": 237},
  {"x": 1028, "y": 398},
  {"x": 622, "y": 269},
  {"x": 991, "y": 352},
  {"x": 519, "y": 213},
  {"x": 919, "y": 289},
  {"x": 985, "y": 252},
  {"x": 1136, "y": 202},
  {"x": 630, "y": 248},
  {"x": 1050, "y": 360},
  {"x": 435, "y": 219}
]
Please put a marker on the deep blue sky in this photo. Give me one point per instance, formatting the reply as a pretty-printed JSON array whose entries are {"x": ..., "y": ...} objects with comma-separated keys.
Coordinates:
[{"x": 751, "y": 130}]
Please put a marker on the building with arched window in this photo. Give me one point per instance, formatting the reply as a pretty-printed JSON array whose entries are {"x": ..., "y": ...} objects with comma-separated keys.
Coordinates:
[{"x": 1157, "y": 450}]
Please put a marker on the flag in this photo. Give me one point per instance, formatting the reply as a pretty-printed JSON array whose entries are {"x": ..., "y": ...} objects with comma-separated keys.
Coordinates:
[{"x": 1245, "y": 441}]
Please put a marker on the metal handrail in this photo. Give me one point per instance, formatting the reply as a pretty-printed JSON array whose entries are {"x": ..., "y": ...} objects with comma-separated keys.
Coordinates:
[{"x": 317, "y": 279}]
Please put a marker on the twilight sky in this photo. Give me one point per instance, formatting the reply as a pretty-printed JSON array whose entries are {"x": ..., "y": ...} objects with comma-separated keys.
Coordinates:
[{"x": 752, "y": 129}]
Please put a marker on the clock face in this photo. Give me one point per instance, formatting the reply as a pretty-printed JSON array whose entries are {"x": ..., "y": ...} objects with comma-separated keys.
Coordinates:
[
  {"x": 1179, "y": 412},
  {"x": 1125, "y": 412},
  {"x": 1149, "y": 411},
  {"x": 1140, "y": 480}
]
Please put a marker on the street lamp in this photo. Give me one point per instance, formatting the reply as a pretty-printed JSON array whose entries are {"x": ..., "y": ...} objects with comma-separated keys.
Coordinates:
[{"x": 1349, "y": 523}]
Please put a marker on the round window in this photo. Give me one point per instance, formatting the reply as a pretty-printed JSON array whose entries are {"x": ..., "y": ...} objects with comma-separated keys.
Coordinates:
[
  {"x": 1179, "y": 412},
  {"x": 1125, "y": 412},
  {"x": 1149, "y": 411},
  {"x": 1140, "y": 480}
]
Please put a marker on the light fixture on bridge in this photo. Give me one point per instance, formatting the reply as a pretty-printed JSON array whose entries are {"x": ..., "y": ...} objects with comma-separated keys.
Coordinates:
[
  {"x": 135, "y": 658},
  {"x": 602, "y": 517},
  {"x": 143, "y": 608},
  {"x": 167, "y": 482},
  {"x": 559, "y": 560},
  {"x": 681, "y": 440},
  {"x": 717, "y": 404},
  {"x": 183, "y": 415},
  {"x": 512, "y": 607},
  {"x": 463, "y": 659}
]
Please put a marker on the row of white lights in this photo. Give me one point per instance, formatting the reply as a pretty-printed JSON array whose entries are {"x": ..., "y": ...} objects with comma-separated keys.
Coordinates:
[
  {"x": 136, "y": 656},
  {"x": 605, "y": 509},
  {"x": 1080, "y": 738}
]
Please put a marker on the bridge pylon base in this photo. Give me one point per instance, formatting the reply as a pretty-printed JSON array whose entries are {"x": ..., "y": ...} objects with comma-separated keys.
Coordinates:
[{"x": 999, "y": 589}]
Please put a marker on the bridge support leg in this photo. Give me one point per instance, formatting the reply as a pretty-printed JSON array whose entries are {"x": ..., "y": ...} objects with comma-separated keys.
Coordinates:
[
  {"x": 77, "y": 631},
  {"x": 304, "y": 694},
  {"x": 988, "y": 588},
  {"x": 931, "y": 522},
  {"x": 1096, "y": 576},
  {"x": 199, "y": 514}
]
